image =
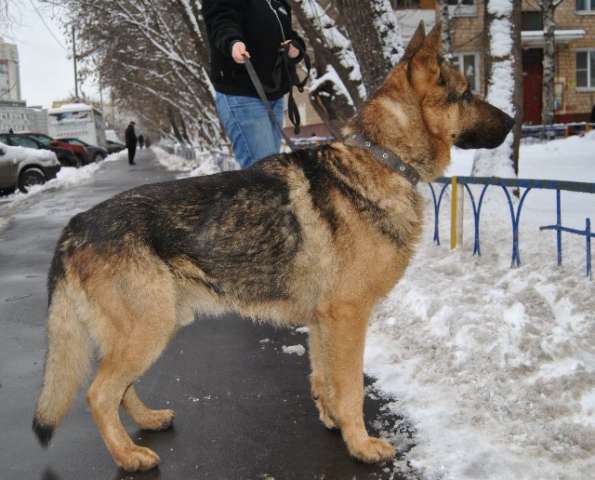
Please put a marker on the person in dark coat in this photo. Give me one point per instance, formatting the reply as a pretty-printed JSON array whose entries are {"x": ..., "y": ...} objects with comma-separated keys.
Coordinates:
[
  {"x": 131, "y": 142},
  {"x": 141, "y": 141},
  {"x": 260, "y": 30}
]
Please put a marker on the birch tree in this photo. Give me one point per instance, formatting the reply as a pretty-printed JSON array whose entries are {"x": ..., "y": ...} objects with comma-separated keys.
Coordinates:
[
  {"x": 548, "y": 10},
  {"x": 504, "y": 82}
]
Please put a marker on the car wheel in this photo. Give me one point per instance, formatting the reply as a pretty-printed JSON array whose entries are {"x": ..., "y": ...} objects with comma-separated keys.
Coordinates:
[
  {"x": 98, "y": 157},
  {"x": 29, "y": 177},
  {"x": 79, "y": 161}
]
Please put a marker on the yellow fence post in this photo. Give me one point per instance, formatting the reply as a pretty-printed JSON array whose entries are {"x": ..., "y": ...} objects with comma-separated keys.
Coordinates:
[{"x": 454, "y": 184}]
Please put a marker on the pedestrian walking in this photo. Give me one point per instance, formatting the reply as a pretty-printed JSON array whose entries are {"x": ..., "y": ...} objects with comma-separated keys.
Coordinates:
[
  {"x": 260, "y": 30},
  {"x": 131, "y": 142},
  {"x": 141, "y": 141}
]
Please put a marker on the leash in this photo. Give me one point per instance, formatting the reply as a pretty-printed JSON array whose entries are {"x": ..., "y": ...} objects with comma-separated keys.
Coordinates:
[
  {"x": 390, "y": 159},
  {"x": 260, "y": 90}
]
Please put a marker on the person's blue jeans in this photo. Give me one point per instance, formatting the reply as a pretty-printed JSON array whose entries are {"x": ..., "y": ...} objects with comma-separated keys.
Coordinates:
[{"x": 248, "y": 126}]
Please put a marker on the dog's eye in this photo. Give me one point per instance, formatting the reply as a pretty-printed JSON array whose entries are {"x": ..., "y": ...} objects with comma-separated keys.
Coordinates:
[
  {"x": 441, "y": 81},
  {"x": 467, "y": 96},
  {"x": 452, "y": 97}
]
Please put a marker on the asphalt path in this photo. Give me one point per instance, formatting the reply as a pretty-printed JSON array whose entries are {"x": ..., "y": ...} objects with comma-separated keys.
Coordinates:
[{"x": 243, "y": 409}]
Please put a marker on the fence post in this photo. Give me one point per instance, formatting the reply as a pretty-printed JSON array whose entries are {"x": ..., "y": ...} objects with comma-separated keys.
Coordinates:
[
  {"x": 588, "y": 247},
  {"x": 454, "y": 183}
]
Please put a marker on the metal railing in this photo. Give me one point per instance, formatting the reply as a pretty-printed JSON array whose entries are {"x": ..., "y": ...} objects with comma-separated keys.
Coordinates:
[
  {"x": 556, "y": 130},
  {"x": 515, "y": 213}
]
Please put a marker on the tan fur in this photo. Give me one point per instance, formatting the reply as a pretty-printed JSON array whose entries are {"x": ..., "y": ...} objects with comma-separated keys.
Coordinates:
[{"x": 131, "y": 303}]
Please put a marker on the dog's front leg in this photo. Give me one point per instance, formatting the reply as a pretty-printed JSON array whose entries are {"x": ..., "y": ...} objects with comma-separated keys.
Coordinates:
[
  {"x": 343, "y": 327},
  {"x": 318, "y": 378}
]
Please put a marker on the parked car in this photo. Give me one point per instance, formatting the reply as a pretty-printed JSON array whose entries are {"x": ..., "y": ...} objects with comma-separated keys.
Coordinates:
[
  {"x": 22, "y": 167},
  {"x": 81, "y": 152},
  {"x": 66, "y": 157},
  {"x": 95, "y": 153},
  {"x": 114, "y": 147}
]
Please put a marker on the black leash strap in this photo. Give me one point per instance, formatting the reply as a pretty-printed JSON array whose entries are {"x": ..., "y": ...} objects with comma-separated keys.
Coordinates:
[{"x": 260, "y": 90}]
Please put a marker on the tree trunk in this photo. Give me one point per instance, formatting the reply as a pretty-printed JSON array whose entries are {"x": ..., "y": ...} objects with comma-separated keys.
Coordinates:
[
  {"x": 502, "y": 24},
  {"x": 548, "y": 9},
  {"x": 443, "y": 15}
]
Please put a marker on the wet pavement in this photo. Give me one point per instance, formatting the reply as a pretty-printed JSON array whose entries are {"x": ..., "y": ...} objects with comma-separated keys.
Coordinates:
[{"x": 242, "y": 406}]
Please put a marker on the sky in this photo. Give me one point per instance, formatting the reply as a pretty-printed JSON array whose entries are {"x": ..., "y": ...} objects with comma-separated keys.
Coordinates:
[{"x": 46, "y": 71}]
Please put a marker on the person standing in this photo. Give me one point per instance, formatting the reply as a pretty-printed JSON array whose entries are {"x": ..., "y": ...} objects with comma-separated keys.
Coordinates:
[
  {"x": 260, "y": 30},
  {"x": 131, "y": 142},
  {"x": 141, "y": 141}
]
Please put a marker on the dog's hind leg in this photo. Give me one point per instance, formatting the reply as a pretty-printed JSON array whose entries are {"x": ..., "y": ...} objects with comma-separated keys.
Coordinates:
[
  {"x": 318, "y": 377},
  {"x": 135, "y": 329},
  {"x": 344, "y": 329},
  {"x": 143, "y": 416}
]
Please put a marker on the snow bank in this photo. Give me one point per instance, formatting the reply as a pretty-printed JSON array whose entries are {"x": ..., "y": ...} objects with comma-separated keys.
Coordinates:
[
  {"x": 493, "y": 368},
  {"x": 206, "y": 164}
]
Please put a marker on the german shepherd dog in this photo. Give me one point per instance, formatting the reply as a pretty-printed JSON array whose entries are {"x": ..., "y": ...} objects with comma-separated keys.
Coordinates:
[{"x": 314, "y": 237}]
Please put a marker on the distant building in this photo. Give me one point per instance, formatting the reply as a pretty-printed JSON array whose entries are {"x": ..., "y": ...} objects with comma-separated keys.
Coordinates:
[
  {"x": 10, "y": 80},
  {"x": 20, "y": 118}
]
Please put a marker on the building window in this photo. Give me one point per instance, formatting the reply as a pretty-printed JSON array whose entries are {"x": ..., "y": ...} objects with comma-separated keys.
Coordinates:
[
  {"x": 532, "y": 21},
  {"x": 585, "y": 5},
  {"x": 585, "y": 69},
  {"x": 405, "y": 4},
  {"x": 468, "y": 64}
]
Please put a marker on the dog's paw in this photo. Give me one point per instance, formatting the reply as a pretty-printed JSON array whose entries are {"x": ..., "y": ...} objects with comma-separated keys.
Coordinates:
[
  {"x": 371, "y": 450},
  {"x": 157, "y": 420},
  {"x": 135, "y": 458}
]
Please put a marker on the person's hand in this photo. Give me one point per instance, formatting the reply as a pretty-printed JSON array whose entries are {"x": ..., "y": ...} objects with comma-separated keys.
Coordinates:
[
  {"x": 238, "y": 51},
  {"x": 292, "y": 51}
]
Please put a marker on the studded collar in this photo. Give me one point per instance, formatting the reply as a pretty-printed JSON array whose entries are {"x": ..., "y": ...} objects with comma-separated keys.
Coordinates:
[{"x": 390, "y": 159}]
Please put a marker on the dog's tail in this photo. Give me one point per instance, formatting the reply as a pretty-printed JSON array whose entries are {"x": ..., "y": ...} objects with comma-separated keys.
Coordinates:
[{"x": 68, "y": 354}]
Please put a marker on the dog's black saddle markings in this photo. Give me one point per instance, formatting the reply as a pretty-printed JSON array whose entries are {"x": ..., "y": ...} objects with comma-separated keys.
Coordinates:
[{"x": 390, "y": 159}]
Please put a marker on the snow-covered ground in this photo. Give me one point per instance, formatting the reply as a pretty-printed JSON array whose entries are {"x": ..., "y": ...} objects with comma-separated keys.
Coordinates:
[{"x": 493, "y": 368}]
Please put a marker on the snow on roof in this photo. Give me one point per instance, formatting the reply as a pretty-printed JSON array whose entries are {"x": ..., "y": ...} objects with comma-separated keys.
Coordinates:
[{"x": 72, "y": 107}]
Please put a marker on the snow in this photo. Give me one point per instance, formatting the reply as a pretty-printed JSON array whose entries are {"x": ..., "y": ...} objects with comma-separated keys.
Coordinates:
[
  {"x": 501, "y": 37},
  {"x": 298, "y": 350},
  {"x": 22, "y": 154},
  {"x": 493, "y": 368},
  {"x": 72, "y": 107},
  {"x": 331, "y": 76},
  {"x": 207, "y": 162}
]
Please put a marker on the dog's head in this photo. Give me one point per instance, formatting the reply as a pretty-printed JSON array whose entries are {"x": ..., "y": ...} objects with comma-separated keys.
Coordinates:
[
  {"x": 449, "y": 107},
  {"x": 426, "y": 105}
]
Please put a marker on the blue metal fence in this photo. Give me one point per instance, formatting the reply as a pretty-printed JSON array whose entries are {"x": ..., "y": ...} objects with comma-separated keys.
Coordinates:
[{"x": 515, "y": 213}]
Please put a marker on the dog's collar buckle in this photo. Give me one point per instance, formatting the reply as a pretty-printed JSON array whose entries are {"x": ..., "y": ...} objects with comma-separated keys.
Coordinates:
[{"x": 390, "y": 159}]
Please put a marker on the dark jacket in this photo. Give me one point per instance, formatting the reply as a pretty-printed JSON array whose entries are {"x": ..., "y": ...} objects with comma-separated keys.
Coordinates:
[
  {"x": 130, "y": 136},
  {"x": 262, "y": 25}
]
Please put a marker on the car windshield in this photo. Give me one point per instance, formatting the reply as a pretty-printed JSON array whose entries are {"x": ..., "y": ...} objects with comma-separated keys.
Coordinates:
[{"x": 42, "y": 139}]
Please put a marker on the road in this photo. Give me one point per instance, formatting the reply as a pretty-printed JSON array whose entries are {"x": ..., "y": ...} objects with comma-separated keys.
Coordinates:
[{"x": 243, "y": 406}]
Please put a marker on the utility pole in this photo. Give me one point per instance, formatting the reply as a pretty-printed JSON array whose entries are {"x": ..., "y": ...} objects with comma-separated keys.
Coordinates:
[{"x": 76, "y": 83}]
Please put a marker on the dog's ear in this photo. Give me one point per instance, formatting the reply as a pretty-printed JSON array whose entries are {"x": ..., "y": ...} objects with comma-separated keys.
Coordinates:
[
  {"x": 433, "y": 40},
  {"x": 424, "y": 68},
  {"x": 415, "y": 43}
]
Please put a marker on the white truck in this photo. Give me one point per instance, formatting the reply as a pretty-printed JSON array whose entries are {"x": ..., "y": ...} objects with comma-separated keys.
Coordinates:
[{"x": 77, "y": 120}]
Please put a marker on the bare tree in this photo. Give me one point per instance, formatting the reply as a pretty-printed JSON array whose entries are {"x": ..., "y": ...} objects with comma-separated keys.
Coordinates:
[
  {"x": 443, "y": 15},
  {"x": 548, "y": 10},
  {"x": 504, "y": 84}
]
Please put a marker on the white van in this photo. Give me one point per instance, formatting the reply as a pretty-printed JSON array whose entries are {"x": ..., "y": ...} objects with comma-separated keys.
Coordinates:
[{"x": 77, "y": 120}]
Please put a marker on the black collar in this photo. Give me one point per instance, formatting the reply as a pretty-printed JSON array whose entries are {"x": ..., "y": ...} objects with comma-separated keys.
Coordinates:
[{"x": 390, "y": 159}]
